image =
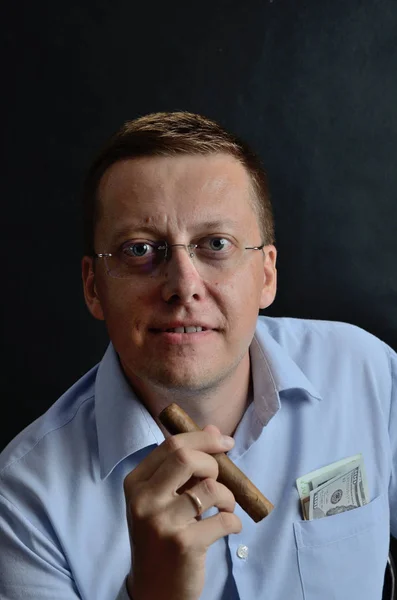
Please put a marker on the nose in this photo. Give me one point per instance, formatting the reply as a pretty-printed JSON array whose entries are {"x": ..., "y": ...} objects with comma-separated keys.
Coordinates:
[{"x": 182, "y": 282}]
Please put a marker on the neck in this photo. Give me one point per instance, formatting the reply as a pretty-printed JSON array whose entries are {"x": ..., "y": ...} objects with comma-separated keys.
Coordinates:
[{"x": 222, "y": 405}]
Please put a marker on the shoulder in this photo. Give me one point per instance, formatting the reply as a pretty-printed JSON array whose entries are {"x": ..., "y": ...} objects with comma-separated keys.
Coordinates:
[
  {"x": 288, "y": 331},
  {"x": 332, "y": 344},
  {"x": 47, "y": 431}
]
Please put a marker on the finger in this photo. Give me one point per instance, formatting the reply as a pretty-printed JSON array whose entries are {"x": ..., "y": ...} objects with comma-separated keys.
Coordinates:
[
  {"x": 206, "y": 441},
  {"x": 178, "y": 468},
  {"x": 212, "y": 429},
  {"x": 201, "y": 534},
  {"x": 188, "y": 485},
  {"x": 209, "y": 493}
]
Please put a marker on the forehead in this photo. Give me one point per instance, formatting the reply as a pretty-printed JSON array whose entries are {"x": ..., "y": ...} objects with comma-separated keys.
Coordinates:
[{"x": 178, "y": 192}]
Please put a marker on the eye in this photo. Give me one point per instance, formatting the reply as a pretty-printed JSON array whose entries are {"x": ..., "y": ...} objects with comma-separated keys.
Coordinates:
[
  {"x": 138, "y": 249},
  {"x": 218, "y": 244}
]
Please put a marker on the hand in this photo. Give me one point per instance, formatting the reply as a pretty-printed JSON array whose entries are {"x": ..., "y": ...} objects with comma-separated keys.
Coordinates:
[{"x": 168, "y": 542}]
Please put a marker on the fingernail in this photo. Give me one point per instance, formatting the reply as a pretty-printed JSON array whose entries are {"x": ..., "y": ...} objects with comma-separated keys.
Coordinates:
[{"x": 227, "y": 442}]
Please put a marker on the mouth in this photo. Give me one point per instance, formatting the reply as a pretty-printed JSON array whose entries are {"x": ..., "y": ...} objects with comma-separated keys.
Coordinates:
[
  {"x": 182, "y": 330},
  {"x": 189, "y": 329},
  {"x": 188, "y": 336}
]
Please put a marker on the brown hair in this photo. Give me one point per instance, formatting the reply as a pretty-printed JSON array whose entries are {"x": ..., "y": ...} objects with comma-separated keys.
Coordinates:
[{"x": 172, "y": 134}]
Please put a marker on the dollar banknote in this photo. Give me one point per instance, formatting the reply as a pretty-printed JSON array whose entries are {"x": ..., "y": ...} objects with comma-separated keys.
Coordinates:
[
  {"x": 319, "y": 476},
  {"x": 335, "y": 488}
]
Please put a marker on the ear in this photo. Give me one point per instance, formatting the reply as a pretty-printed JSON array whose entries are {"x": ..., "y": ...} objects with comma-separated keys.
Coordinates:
[
  {"x": 90, "y": 290},
  {"x": 269, "y": 277}
]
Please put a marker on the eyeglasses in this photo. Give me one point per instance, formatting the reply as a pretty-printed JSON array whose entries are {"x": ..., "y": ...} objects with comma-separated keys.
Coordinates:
[{"x": 211, "y": 255}]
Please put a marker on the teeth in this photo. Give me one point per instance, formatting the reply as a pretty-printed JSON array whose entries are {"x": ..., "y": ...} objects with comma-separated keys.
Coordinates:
[{"x": 191, "y": 329}]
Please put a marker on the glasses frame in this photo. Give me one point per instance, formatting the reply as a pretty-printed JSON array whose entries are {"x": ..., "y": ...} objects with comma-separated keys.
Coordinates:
[{"x": 189, "y": 248}]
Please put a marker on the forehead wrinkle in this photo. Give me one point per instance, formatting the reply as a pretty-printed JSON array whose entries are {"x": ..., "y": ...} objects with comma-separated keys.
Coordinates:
[{"x": 148, "y": 225}]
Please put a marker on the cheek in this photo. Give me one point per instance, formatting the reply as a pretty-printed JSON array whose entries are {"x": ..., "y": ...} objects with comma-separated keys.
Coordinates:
[
  {"x": 246, "y": 288},
  {"x": 239, "y": 298},
  {"x": 122, "y": 308}
]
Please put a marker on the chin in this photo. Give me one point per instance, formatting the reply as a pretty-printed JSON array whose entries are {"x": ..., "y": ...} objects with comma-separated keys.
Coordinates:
[{"x": 189, "y": 381}]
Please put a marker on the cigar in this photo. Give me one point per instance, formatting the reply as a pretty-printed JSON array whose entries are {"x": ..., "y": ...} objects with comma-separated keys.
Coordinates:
[{"x": 251, "y": 500}]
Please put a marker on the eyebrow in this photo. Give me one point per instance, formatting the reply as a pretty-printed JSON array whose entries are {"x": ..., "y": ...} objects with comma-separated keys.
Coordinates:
[
  {"x": 126, "y": 230},
  {"x": 141, "y": 226}
]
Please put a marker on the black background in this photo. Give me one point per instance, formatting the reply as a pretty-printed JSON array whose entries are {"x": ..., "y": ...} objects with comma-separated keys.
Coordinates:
[{"x": 311, "y": 84}]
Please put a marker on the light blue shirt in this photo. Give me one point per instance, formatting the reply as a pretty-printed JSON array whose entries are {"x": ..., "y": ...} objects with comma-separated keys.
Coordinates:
[{"x": 322, "y": 391}]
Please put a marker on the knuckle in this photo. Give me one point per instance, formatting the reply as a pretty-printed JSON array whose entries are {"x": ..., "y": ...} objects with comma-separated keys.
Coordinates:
[
  {"x": 182, "y": 456},
  {"x": 210, "y": 487},
  {"x": 158, "y": 526},
  {"x": 138, "y": 508},
  {"x": 142, "y": 518},
  {"x": 143, "y": 504},
  {"x": 172, "y": 444},
  {"x": 228, "y": 521}
]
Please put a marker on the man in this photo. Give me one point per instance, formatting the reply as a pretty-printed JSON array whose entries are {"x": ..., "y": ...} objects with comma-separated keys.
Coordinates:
[{"x": 179, "y": 259}]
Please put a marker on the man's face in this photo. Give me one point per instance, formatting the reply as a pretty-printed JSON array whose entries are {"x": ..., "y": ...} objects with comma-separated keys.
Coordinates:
[{"x": 181, "y": 200}]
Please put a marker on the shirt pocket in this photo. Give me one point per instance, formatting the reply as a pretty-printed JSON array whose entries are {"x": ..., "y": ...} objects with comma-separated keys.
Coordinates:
[{"x": 344, "y": 556}]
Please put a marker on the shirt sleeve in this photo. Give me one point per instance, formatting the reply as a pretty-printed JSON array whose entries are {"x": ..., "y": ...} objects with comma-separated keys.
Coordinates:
[
  {"x": 31, "y": 565},
  {"x": 393, "y": 442}
]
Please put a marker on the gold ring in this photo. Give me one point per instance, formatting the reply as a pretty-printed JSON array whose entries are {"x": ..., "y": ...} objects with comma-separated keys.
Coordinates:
[{"x": 196, "y": 501}]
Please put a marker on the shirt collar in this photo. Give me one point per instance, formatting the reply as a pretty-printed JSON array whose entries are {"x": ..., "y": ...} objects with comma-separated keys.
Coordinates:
[
  {"x": 275, "y": 374},
  {"x": 125, "y": 426}
]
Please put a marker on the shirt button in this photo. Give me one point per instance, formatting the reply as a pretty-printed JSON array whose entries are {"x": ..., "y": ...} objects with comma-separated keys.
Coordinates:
[{"x": 242, "y": 551}]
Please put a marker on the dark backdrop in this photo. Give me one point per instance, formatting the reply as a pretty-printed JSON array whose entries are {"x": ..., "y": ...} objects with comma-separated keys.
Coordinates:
[{"x": 310, "y": 84}]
